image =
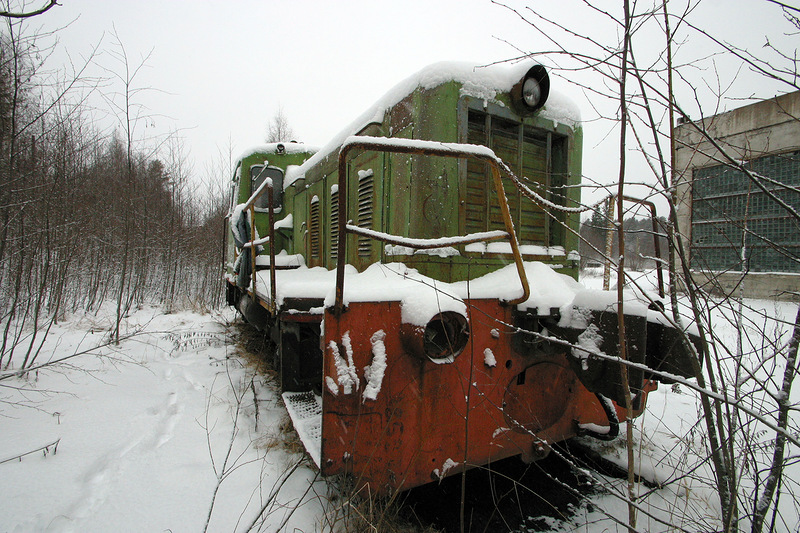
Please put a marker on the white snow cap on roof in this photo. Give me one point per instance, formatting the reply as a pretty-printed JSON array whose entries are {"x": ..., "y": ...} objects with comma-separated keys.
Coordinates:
[
  {"x": 480, "y": 81},
  {"x": 272, "y": 148},
  {"x": 487, "y": 81}
]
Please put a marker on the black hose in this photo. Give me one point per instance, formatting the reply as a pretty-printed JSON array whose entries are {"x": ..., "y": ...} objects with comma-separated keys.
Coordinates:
[{"x": 613, "y": 421}]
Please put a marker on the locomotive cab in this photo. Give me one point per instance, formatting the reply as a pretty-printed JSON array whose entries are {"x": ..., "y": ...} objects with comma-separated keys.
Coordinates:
[{"x": 255, "y": 167}]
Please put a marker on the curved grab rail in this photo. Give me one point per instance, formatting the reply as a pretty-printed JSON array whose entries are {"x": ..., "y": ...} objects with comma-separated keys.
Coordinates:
[
  {"x": 611, "y": 202},
  {"x": 428, "y": 244},
  {"x": 249, "y": 206},
  {"x": 419, "y": 147}
]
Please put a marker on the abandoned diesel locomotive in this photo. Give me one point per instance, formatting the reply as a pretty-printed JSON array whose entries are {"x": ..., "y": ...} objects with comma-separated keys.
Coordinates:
[{"x": 418, "y": 279}]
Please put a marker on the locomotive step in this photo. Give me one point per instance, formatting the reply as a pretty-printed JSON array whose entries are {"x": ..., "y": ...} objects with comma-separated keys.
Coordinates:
[{"x": 305, "y": 410}]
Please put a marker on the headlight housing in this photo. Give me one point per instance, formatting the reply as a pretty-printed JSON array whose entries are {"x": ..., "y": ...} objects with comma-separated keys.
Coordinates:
[{"x": 531, "y": 92}]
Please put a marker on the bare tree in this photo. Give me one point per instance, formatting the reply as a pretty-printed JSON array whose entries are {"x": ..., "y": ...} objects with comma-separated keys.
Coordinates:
[
  {"x": 12, "y": 15},
  {"x": 646, "y": 89},
  {"x": 279, "y": 129},
  {"x": 86, "y": 214}
]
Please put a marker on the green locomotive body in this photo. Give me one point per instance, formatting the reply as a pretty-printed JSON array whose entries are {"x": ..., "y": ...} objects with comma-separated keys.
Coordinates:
[{"x": 248, "y": 176}]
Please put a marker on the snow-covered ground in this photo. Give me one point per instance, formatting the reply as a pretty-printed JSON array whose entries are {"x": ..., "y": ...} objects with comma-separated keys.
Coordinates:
[
  {"x": 670, "y": 434},
  {"x": 144, "y": 433},
  {"x": 147, "y": 429}
]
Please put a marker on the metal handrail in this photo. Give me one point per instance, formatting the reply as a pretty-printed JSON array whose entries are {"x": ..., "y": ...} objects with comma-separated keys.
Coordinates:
[
  {"x": 249, "y": 205},
  {"x": 428, "y": 244},
  {"x": 381, "y": 144}
]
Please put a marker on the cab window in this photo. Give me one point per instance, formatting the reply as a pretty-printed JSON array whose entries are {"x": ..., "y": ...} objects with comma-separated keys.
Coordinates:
[{"x": 257, "y": 177}]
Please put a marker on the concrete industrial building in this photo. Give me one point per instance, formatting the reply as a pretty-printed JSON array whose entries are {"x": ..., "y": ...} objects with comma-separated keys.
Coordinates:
[{"x": 721, "y": 211}]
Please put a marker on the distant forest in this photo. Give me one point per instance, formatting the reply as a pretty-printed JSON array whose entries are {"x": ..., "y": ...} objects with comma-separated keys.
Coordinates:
[
  {"x": 639, "y": 241},
  {"x": 89, "y": 215}
]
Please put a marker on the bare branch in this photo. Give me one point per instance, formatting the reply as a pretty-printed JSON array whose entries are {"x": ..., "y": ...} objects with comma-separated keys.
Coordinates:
[{"x": 43, "y": 9}]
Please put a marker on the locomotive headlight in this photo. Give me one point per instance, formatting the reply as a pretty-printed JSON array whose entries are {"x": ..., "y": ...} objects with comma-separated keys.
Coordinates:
[
  {"x": 445, "y": 336},
  {"x": 531, "y": 92}
]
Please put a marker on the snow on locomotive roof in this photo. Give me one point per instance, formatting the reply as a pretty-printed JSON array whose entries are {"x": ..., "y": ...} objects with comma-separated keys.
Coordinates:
[
  {"x": 477, "y": 80},
  {"x": 272, "y": 148}
]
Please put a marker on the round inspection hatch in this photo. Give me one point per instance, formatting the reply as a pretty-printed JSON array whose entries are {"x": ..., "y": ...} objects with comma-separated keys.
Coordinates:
[{"x": 538, "y": 397}]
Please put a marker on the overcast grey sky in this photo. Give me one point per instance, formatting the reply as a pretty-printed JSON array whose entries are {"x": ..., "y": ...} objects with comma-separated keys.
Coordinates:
[{"x": 223, "y": 69}]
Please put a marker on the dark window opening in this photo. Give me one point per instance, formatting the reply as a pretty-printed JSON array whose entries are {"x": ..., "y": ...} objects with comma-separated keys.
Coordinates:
[{"x": 257, "y": 178}]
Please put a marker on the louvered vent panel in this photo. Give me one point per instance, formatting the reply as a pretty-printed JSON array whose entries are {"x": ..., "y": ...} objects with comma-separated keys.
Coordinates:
[
  {"x": 334, "y": 225},
  {"x": 475, "y": 209},
  {"x": 529, "y": 159},
  {"x": 366, "y": 192},
  {"x": 535, "y": 175},
  {"x": 314, "y": 228}
]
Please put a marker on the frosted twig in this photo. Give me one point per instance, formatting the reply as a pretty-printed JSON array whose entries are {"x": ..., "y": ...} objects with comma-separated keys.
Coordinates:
[{"x": 45, "y": 449}]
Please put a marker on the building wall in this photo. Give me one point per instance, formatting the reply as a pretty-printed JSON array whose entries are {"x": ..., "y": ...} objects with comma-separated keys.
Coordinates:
[{"x": 766, "y": 135}]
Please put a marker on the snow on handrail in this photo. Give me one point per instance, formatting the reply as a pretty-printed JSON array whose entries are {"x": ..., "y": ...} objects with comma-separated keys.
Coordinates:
[
  {"x": 257, "y": 242},
  {"x": 427, "y": 244},
  {"x": 421, "y": 146}
]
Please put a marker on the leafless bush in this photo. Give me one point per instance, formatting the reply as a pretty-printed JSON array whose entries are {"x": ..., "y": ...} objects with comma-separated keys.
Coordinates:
[
  {"x": 89, "y": 216},
  {"x": 639, "y": 91}
]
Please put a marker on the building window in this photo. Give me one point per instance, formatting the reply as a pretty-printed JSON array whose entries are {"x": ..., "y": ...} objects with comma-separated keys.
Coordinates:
[{"x": 729, "y": 211}]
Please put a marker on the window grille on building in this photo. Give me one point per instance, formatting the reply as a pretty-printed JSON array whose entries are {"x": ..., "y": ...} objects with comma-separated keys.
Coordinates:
[{"x": 726, "y": 205}]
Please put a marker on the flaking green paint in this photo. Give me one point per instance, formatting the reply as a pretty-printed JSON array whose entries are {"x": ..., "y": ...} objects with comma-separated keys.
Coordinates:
[{"x": 282, "y": 161}]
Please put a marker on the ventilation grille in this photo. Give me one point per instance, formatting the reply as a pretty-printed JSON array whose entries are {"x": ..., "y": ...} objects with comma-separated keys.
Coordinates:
[
  {"x": 334, "y": 225},
  {"x": 366, "y": 190},
  {"x": 314, "y": 228},
  {"x": 528, "y": 152}
]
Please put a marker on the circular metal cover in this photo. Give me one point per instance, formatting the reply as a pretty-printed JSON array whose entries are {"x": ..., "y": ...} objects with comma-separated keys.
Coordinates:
[{"x": 538, "y": 397}]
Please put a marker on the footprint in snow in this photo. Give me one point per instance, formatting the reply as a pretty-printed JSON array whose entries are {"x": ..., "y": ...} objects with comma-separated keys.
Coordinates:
[{"x": 166, "y": 427}]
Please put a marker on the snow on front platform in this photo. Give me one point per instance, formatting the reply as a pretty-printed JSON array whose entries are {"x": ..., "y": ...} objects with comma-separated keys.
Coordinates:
[{"x": 305, "y": 410}]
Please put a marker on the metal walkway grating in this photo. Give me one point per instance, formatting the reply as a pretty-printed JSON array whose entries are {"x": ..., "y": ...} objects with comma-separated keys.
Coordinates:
[{"x": 305, "y": 410}]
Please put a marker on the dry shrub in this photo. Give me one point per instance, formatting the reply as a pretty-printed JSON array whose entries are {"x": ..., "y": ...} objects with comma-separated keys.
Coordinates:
[
  {"x": 281, "y": 436},
  {"x": 358, "y": 510},
  {"x": 256, "y": 351},
  {"x": 255, "y": 348}
]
